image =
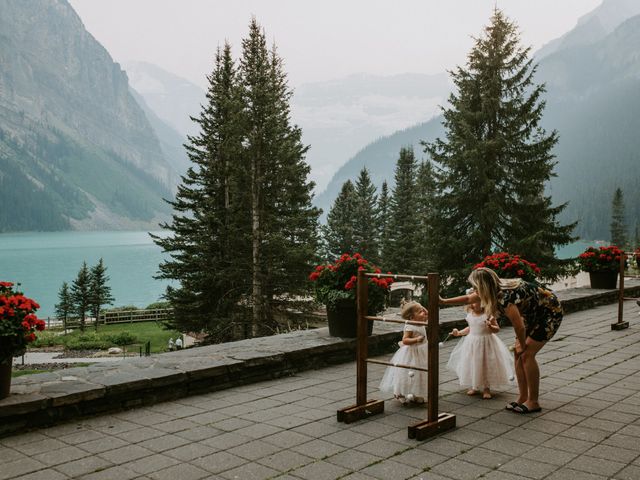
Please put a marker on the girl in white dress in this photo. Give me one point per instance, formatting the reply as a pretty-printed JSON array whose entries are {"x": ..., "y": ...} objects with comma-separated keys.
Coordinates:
[
  {"x": 480, "y": 360},
  {"x": 409, "y": 385}
]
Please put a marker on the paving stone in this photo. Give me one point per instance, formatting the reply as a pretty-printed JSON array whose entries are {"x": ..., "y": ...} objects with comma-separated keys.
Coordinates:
[
  {"x": 181, "y": 471},
  {"x": 250, "y": 471},
  {"x": 189, "y": 451},
  {"x": 19, "y": 467},
  {"x": 528, "y": 468},
  {"x": 570, "y": 474},
  {"x": 320, "y": 470},
  {"x": 48, "y": 474},
  {"x": 318, "y": 449},
  {"x": 83, "y": 466},
  {"x": 285, "y": 460},
  {"x": 163, "y": 443},
  {"x": 632, "y": 472},
  {"x": 219, "y": 462},
  {"x": 459, "y": 469},
  {"x": 61, "y": 455},
  {"x": 390, "y": 469},
  {"x": 254, "y": 449},
  {"x": 151, "y": 463},
  {"x": 111, "y": 473}
]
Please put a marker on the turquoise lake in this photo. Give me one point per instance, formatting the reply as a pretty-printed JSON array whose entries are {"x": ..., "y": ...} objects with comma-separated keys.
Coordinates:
[{"x": 40, "y": 262}]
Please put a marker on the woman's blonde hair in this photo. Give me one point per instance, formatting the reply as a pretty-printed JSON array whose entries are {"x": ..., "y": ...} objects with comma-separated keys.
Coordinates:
[
  {"x": 488, "y": 286},
  {"x": 408, "y": 309}
]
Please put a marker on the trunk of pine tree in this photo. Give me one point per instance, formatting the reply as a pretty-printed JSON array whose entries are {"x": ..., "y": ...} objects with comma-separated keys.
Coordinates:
[{"x": 256, "y": 235}]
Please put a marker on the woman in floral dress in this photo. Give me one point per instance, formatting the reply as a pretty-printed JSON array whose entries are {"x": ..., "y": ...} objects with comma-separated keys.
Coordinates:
[{"x": 535, "y": 313}]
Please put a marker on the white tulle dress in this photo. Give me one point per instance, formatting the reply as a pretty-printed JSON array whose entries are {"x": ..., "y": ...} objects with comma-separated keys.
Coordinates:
[
  {"x": 481, "y": 360},
  {"x": 403, "y": 381}
]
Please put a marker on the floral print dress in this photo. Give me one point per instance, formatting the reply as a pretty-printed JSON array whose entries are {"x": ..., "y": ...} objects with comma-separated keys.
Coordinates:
[{"x": 540, "y": 308}]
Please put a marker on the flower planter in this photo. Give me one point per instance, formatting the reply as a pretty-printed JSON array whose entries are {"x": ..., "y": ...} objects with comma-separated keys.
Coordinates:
[
  {"x": 5, "y": 377},
  {"x": 603, "y": 280},
  {"x": 343, "y": 320}
]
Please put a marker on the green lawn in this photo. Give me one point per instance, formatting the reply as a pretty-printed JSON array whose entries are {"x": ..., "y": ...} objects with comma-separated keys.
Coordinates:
[{"x": 142, "y": 331}]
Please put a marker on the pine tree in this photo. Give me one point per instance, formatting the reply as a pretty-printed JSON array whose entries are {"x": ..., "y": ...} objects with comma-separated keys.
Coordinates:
[
  {"x": 618, "y": 226},
  {"x": 64, "y": 307},
  {"x": 405, "y": 244},
  {"x": 80, "y": 294},
  {"x": 492, "y": 166},
  {"x": 426, "y": 191},
  {"x": 283, "y": 221},
  {"x": 99, "y": 290},
  {"x": 384, "y": 208},
  {"x": 366, "y": 223},
  {"x": 209, "y": 244},
  {"x": 339, "y": 232}
]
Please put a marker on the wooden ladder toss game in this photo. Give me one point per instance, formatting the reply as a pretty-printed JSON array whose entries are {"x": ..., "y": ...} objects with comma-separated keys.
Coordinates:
[
  {"x": 435, "y": 422},
  {"x": 621, "y": 324}
]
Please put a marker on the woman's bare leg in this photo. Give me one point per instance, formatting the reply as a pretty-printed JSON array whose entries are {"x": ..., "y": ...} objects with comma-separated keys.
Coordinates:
[
  {"x": 531, "y": 372},
  {"x": 523, "y": 389}
]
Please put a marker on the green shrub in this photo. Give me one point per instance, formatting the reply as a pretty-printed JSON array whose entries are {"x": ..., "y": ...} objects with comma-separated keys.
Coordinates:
[{"x": 121, "y": 339}]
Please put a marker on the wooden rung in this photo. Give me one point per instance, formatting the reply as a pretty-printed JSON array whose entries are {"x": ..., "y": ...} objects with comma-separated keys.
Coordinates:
[
  {"x": 397, "y": 277},
  {"x": 426, "y": 429},
  {"x": 631, "y": 298},
  {"x": 357, "y": 412},
  {"x": 396, "y": 320},
  {"x": 619, "y": 325},
  {"x": 399, "y": 365}
]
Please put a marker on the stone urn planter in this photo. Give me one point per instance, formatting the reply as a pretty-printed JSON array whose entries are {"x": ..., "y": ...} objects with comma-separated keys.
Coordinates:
[
  {"x": 603, "y": 280},
  {"x": 5, "y": 377},
  {"x": 343, "y": 319}
]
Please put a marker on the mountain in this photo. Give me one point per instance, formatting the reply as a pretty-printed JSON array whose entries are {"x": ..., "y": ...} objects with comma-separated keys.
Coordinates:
[
  {"x": 76, "y": 149},
  {"x": 594, "y": 26},
  {"x": 340, "y": 117},
  {"x": 380, "y": 159},
  {"x": 171, "y": 141},
  {"x": 593, "y": 95},
  {"x": 172, "y": 98}
]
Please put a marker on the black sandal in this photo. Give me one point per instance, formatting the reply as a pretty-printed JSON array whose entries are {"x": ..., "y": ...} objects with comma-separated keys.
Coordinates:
[
  {"x": 523, "y": 409},
  {"x": 512, "y": 406}
]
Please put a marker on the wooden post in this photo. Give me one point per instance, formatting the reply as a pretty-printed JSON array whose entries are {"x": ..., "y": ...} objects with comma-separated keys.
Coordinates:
[
  {"x": 363, "y": 407},
  {"x": 435, "y": 422},
  {"x": 361, "y": 342},
  {"x": 621, "y": 325}
]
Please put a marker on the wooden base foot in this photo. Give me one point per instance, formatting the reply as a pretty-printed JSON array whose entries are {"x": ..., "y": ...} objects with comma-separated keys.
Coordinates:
[
  {"x": 358, "y": 412},
  {"x": 619, "y": 325},
  {"x": 426, "y": 429}
]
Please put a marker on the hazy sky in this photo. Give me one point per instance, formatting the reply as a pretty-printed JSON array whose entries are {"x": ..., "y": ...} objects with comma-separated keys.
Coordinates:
[{"x": 319, "y": 40}]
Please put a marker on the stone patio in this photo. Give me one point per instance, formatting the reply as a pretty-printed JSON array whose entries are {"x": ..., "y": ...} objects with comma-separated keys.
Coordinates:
[{"x": 286, "y": 428}]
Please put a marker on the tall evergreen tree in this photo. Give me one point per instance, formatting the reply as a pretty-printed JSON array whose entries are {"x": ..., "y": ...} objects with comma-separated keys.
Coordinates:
[
  {"x": 209, "y": 244},
  {"x": 492, "y": 166},
  {"x": 384, "y": 208},
  {"x": 80, "y": 294},
  {"x": 367, "y": 220},
  {"x": 339, "y": 232},
  {"x": 99, "y": 290},
  {"x": 426, "y": 191},
  {"x": 405, "y": 244},
  {"x": 283, "y": 221},
  {"x": 64, "y": 307},
  {"x": 618, "y": 225}
]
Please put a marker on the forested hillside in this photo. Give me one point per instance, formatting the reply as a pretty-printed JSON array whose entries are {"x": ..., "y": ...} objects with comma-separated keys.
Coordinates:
[{"x": 76, "y": 150}]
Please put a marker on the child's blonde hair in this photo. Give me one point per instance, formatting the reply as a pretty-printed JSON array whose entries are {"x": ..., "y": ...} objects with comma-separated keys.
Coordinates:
[{"x": 408, "y": 309}]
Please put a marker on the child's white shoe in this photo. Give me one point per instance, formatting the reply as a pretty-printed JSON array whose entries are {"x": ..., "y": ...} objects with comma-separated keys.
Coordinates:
[{"x": 410, "y": 397}]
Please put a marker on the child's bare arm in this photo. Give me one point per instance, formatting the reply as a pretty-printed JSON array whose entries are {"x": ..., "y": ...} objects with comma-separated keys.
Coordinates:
[{"x": 460, "y": 333}]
